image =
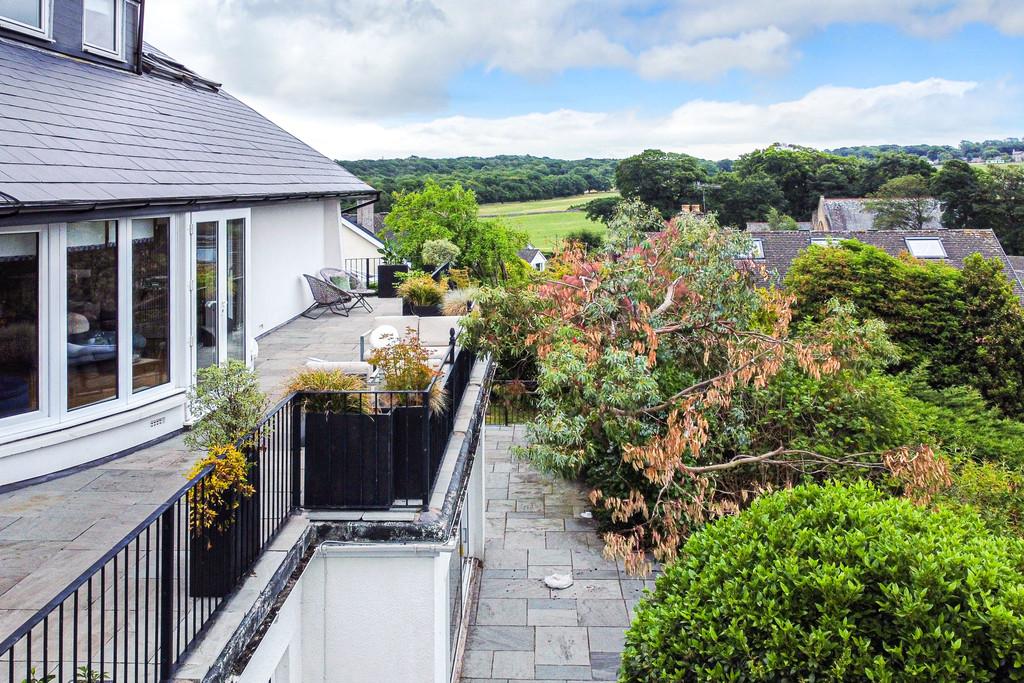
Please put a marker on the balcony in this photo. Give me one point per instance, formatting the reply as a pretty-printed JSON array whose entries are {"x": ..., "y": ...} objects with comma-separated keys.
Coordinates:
[{"x": 164, "y": 601}]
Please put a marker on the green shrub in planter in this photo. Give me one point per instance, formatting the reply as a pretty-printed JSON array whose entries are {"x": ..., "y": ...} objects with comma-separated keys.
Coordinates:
[{"x": 828, "y": 583}]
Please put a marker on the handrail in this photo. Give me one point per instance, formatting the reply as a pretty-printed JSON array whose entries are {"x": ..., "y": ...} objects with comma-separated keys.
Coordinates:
[{"x": 95, "y": 567}]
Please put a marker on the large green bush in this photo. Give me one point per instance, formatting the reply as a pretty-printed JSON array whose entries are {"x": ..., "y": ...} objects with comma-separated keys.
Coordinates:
[
  {"x": 967, "y": 326},
  {"x": 828, "y": 583}
]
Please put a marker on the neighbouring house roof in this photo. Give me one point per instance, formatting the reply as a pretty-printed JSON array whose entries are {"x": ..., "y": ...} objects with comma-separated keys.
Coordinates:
[
  {"x": 852, "y": 215},
  {"x": 354, "y": 225},
  {"x": 1017, "y": 263},
  {"x": 75, "y": 136},
  {"x": 763, "y": 226},
  {"x": 781, "y": 247},
  {"x": 378, "y": 226},
  {"x": 528, "y": 254}
]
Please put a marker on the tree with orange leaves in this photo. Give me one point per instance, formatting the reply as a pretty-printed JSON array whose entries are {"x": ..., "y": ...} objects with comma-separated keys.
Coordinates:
[{"x": 648, "y": 354}]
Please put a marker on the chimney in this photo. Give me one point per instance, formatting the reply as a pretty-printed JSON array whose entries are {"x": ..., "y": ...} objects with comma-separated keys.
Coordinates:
[{"x": 364, "y": 216}]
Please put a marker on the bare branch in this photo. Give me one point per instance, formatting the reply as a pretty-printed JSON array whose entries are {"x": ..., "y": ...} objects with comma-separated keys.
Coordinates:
[{"x": 669, "y": 296}]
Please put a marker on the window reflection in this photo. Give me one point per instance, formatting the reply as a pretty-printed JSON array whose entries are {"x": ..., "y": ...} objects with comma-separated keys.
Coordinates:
[
  {"x": 236, "y": 289},
  {"x": 101, "y": 24},
  {"x": 28, "y": 12},
  {"x": 92, "y": 312},
  {"x": 151, "y": 304},
  {"x": 206, "y": 294},
  {"x": 19, "y": 323}
]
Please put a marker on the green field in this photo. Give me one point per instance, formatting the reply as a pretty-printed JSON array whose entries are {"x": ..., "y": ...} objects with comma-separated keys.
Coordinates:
[
  {"x": 536, "y": 206},
  {"x": 547, "y": 221}
]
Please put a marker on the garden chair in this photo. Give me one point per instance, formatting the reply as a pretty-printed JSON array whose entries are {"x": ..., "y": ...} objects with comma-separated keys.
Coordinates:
[
  {"x": 327, "y": 296},
  {"x": 357, "y": 289}
]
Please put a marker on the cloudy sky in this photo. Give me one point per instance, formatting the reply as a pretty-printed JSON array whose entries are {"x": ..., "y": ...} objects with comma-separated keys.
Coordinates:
[{"x": 575, "y": 78}]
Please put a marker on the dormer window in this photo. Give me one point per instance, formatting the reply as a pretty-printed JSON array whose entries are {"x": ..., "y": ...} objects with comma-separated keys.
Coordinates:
[
  {"x": 755, "y": 252},
  {"x": 102, "y": 27},
  {"x": 26, "y": 16}
]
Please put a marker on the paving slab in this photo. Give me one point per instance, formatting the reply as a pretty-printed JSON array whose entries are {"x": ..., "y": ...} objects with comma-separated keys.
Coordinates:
[{"x": 578, "y": 632}]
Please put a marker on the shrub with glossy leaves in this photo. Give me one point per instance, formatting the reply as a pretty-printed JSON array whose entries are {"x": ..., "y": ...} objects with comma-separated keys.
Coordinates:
[{"x": 828, "y": 583}]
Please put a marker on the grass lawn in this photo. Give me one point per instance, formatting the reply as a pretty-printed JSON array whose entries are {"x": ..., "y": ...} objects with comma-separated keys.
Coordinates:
[
  {"x": 547, "y": 221},
  {"x": 557, "y": 204},
  {"x": 545, "y": 229}
]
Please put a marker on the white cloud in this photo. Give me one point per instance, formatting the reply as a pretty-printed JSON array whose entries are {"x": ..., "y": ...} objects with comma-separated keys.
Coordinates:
[
  {"x": 760, "y": 51},
  {"x": 934, "y": 111},
  {"x": 376, "y": 58}
]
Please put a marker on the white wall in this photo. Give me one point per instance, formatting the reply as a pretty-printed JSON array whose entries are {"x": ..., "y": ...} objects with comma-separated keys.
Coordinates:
[
  {"x": 354, "y": 244},
  {"x": 287, "y": 241}
]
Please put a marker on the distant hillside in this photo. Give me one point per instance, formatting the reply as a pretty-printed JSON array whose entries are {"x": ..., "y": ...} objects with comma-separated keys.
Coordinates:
[
  {"x": 989, "y": 150},
  {"x": 494, "y": 179}
]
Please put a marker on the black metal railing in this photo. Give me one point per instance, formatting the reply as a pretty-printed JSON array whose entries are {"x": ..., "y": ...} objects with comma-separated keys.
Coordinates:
[
  {"x": 512, "y": 402},
  {"x": 365, "y": 268},
  {"x": 134, "y": 613}
]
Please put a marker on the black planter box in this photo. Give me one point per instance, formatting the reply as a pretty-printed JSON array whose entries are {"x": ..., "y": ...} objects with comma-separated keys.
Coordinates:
[
  {"x": 422, "y": 311},
  {"x": 219, "y": 556},
  {"x": 349, "y": 460},
  {"x": 410, "y": 453},
  {"x": 386, "y": 280}
]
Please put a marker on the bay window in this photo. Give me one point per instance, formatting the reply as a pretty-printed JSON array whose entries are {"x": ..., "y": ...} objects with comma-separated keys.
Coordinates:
[
  {"x": 86, "y": 320},
  {"x": 26, "y": 16}
]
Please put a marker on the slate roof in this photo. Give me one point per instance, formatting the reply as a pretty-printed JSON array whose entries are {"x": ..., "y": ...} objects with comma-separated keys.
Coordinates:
[
  {"x": 845, "y": 214},
  {"x": 1017, "y": 263},
  {"x": 781, "y": 247},
  {"x": 350, "y": 218},
  {"x": 764, "y": 226},
  {"x": 528, "y": 254},
  {"x": 73, "y": 133}
]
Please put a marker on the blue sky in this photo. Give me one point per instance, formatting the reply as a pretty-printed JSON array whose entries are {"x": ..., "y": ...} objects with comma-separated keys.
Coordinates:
[{"x": 378, "y": 78}]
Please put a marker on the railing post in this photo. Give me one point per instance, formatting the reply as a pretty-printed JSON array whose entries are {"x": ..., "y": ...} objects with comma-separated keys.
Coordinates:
[
  {"x": 296, "y": 446},
  {"x": 167, "y": 593}
]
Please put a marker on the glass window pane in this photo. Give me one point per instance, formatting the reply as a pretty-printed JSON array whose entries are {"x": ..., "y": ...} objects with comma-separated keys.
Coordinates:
[
  {"x": 101, "y": 24},
  {"x": 206, "y": 294},
  {"x": 92, "y": 312},
  {"x": 19, "y": 323},
  {"x": 236, "y": 289},
  {"x": 28, "y": 12},
  {"x": 926, "y": 247},
  {"x": 151, "y": 303}
]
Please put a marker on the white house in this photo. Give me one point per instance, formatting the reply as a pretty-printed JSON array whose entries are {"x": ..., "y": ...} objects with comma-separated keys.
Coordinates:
[
  {"x": 534, "y": 257},
  {"x": 150, "y": 225}
]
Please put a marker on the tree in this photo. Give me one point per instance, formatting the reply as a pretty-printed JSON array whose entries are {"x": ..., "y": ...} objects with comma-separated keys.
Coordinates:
[
  {"x": 739, "y": 199},
  {"x": 439, "y": 252},
  {"x": 433, "y": 213},
  {"x": 994, "y": 323},
  {"x": 780, "y": 221},
  {"x": 959, "y": 189},
  {"x": 792, "y": 170},
  {"x": 601, "y": 210},
  {"x": 664, "y": 180},
  {"x": 646, "y": 357},
  {"x": 488, "y": 247},
  {"x": 885, "y": 167},
  {"x": 903, "y": 203},
  {"x": 1002, "y": 207},
  {"x": 590, "y": 240}
]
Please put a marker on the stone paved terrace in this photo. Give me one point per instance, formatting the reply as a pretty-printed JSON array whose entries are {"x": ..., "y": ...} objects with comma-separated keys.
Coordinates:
[
  {"x": 53, "y": 531},
  {"x": 522, "y": 630}
]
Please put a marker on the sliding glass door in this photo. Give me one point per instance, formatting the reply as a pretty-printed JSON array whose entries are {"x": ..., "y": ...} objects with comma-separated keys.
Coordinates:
[{"x": 220, "y": 272}]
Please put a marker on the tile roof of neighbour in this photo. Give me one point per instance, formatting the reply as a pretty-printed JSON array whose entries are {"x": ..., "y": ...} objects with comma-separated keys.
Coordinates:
[
  {"x": 764, "y": 226},
  {"x": 75, "y": 134},
  {"x": 529, "y": 253},
  {"x": 781, "y": 247},
  {"x": 845, "y": 214}
]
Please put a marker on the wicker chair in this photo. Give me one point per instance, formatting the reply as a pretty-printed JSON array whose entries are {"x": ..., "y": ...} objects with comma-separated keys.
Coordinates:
[
  {"x": 358, "y": 289},
  {"x": 327, "y": 296}
]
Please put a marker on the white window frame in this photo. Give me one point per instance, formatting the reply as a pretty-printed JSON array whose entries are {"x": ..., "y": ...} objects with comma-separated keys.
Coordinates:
[
  {"x": 53, "y": 413},
  {"x": 44, "y": 341},
  {"x": 755, "y": 253},
  {"x": 908, "y": 241},
  {"x": 221, "y": 217},
  {"x": 118, "y": 34},
  {"x": 825, "y": 241},
  {"x": 45, "y": 9}
]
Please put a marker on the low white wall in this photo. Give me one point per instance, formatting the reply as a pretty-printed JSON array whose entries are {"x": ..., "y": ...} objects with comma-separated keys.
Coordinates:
[
  {"x": 287, "y": 241},
  {"x": 354, "y": 245}
]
